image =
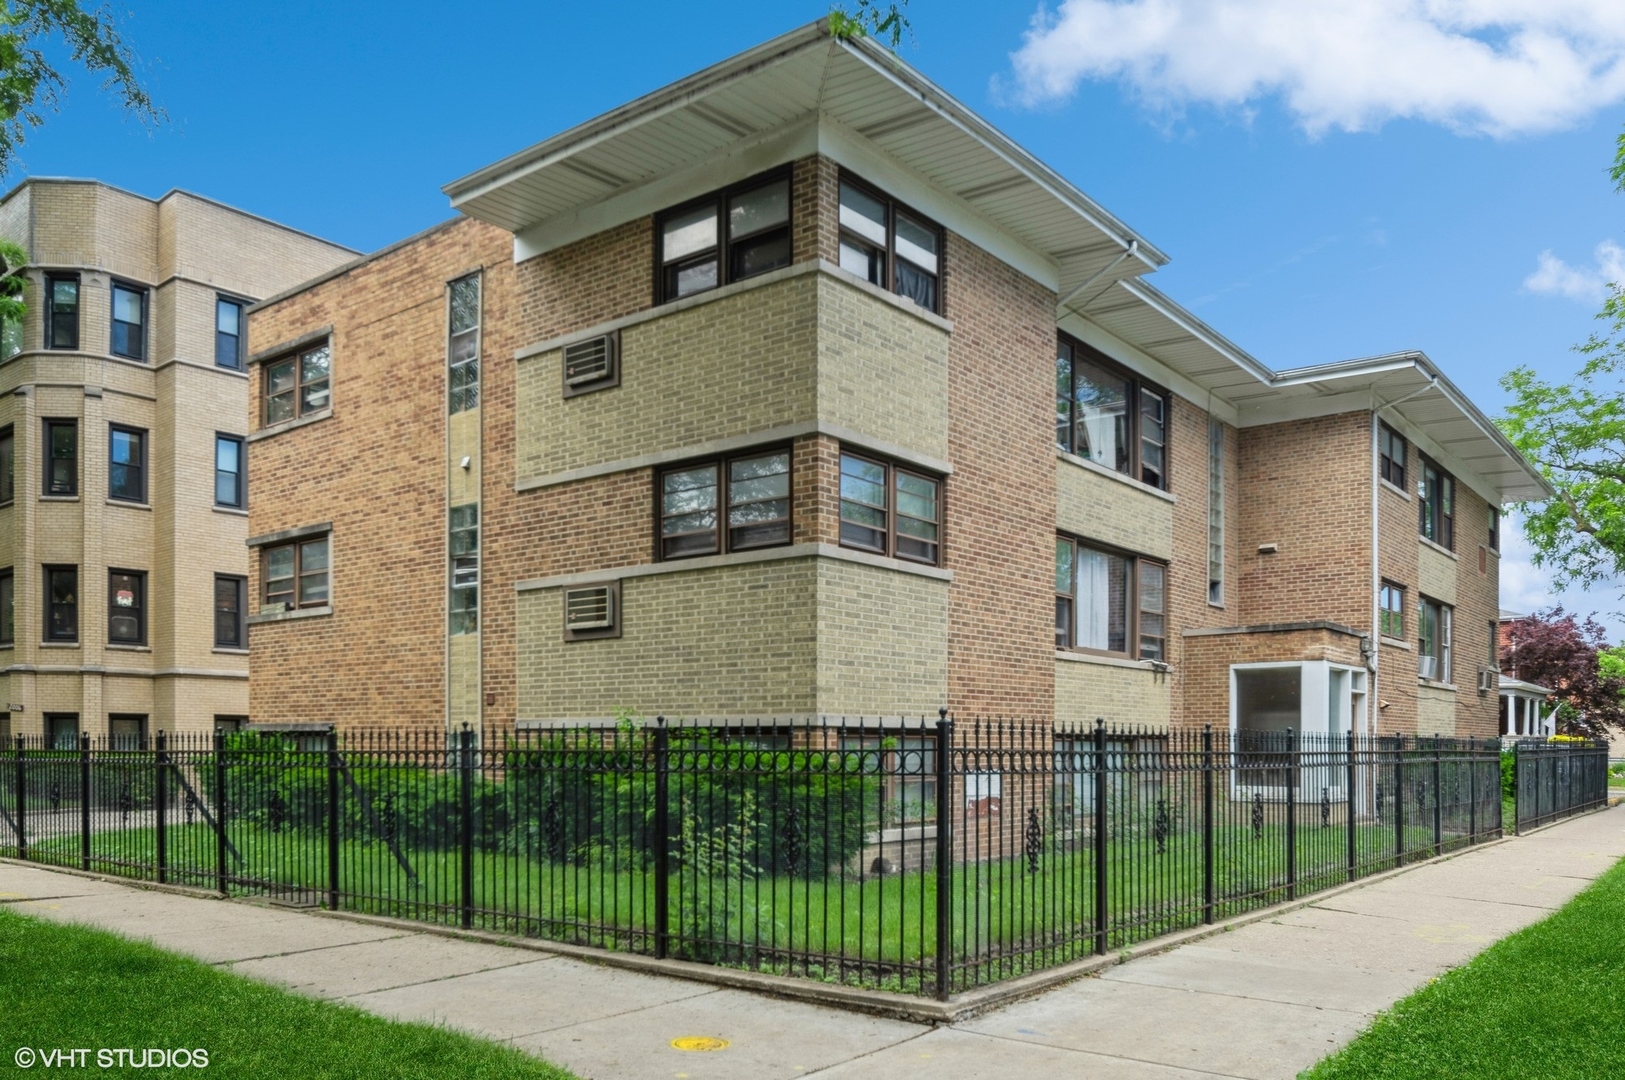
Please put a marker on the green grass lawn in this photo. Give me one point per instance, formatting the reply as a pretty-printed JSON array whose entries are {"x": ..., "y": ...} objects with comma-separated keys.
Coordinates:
[
  {"x": 1544, "y": 1002},
  {"x": 70, "y": 986}
]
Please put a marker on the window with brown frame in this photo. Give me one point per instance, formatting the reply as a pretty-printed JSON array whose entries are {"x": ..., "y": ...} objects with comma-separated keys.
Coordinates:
[
  {"x": 890, "y": 510},
  {"x": 1436, "y": 499},
  {"x": 296, "y": 575},
  {"x": 727, "y": 236},
  {"x": 297, "y": 384},
  {"x": 1391, "y": 610},
  {"x": 1109, "y": 602},
  {"x": 129, "y": 335},
  {"x": 62, "y": 457},
  {"x": 61, "y": 603},
  {"x": 757, "y": 503},
  {"x": 1107, "y": 415},
  {"x": 62, "y": 311},
  {"x": 889, "y": 245},
  {"x": 126, "y": 607},
  {"x": 1392, "y": 449},
  {"x": 230, "y": 592}
]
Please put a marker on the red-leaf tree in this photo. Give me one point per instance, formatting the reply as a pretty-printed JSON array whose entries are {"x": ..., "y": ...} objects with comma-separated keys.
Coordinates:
[{"x": 1557, "y": 650}]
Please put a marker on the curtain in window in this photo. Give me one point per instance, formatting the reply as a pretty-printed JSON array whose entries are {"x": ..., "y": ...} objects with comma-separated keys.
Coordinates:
[{"x": 1102, "y": 601}]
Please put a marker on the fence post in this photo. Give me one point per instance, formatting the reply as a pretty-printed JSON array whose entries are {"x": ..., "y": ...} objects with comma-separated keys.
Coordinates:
[
  {"x": 1294, "y": 758},
  {"x": 22, "y": 803},
  {"x": 466, "y": 840},
  {"x": 1472, "y": 792},
  {"x": 84, "y": 800},
  {"x": 220, "y": 811},
  {"x": 1207, "y": 824},
  {"x": 945, "y": 853},
  {"x": 1100, "y": 836},
  {"x": 1348, "y": 806},
  {"x": 332, "y": 819},
  {"x": 160, "y": 800},
  {"x": 1399, "y": 800},
  {"x": 662, "y": 840},
  {"x": 1438, "y": 803}
]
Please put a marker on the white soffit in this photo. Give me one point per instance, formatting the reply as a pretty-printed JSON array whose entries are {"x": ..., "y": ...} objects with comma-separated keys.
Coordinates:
[{"x": 856, "y": 85}]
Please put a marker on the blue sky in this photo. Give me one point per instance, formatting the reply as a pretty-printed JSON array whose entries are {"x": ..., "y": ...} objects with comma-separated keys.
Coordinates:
[{"x": 1300, "y": 239}]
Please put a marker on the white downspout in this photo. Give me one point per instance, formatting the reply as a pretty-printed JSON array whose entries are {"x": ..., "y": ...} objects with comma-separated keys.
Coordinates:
[{"x": 1375, "y": 705}]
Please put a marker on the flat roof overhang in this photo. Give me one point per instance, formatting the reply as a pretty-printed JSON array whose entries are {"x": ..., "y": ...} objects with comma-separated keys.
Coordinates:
[{"x": 840, "y": 89}]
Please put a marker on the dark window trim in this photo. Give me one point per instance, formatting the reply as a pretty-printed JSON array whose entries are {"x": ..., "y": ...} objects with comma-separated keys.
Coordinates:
[
  {"x": 1494, "y": 522},
  {"x": 50, "y": 315},
  {"x": 243, "y": 305},
  {"x": 113, "y": 320},
  {"x": 140, "y": 577},
  {"x": 297, "y": 355},
  {"x": 892, "y": 469},
  {"x": 241, "y": 629},
  {"x": 51, "y": 720},
  {"x": 78, "y": 590},
  {"x": 297, "y": 545},
  {"x": 1387, "y": 468},
  {"x": 1431, "y": 511},
  {"x": 47, "y": 424},
  {"x": 8, "y": 579},
  {"x": 893, "y": 205},
  {"x": 1444, "y": 651},
  {"x": 720, "y": 198},
  {"x": 8, "y": 479},
  {"x": 126, "y": 429},
  {"x": 1138, "y": 387},
  {"x": 721, "y": 463},
  {"x": 242, "y": 470},
  {"x": 1131, "y": 635}
]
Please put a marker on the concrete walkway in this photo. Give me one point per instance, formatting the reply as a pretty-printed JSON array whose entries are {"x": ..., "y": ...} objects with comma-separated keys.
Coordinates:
[{"x": 1264, "y": 1000}]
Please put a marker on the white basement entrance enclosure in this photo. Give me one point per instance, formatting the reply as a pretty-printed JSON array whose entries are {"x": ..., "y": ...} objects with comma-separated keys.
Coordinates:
[{"x": 1318, "y": 701}]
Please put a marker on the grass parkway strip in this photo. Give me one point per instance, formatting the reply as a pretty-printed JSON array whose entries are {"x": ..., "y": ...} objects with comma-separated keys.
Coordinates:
[{"x": 1544, "y": 1002}]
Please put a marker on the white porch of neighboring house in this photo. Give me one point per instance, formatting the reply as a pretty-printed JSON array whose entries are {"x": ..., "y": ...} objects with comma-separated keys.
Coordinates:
[{"x": 1524, "y": 712}]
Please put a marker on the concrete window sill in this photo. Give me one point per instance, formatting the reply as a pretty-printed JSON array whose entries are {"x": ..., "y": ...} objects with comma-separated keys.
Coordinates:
[
  {"x": 1395, "y": 488},
  {"x": 288, "y": 616},
  {"x": 129, "y": 648},
  {"x": 1397, "y": 643},
  {"x": 229, "y": 510},
  {"x": 1440, "y": 548},
  {"x": 128, "y": 505}
]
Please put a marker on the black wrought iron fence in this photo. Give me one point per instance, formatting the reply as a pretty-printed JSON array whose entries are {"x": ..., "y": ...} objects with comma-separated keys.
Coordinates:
[
  {"x": 1555, "y": 778},
  {"x": 918, "y": 856}
]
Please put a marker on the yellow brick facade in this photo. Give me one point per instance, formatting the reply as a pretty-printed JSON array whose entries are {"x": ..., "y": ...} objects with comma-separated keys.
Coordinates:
[{"x": 185, "y": 252}]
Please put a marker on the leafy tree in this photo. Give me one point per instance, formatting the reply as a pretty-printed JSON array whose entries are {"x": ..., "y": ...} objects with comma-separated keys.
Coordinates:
[
  {"x": 31, "y": 84},
  {"x": 1574, "y": 433},
  {"x": 889, "y": 23},
  {"x": 1557, "y": 650}
]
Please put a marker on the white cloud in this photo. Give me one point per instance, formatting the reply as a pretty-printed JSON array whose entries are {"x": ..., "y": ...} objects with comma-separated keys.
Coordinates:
[
  {"x": 1587, "y": 283},
  {"x": 1497, "y": 67}
]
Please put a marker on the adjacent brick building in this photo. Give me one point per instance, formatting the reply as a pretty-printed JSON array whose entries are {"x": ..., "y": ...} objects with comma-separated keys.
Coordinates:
[
  {"x": 796, "y": 390},
  {"x": 123, "y": 498}
]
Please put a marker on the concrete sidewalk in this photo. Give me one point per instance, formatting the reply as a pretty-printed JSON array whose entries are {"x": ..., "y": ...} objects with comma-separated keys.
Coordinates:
[{"x": 1264, "y": 1000}]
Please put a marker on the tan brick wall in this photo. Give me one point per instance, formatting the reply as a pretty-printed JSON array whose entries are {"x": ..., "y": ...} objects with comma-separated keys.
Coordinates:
[
  {"x": 882, "y": 641},
  {"x": 180, "y": 399},
  {"x": 1086, "y": 691},
  {"x": 1111, "y": 512},
  {"x": 1001, "y": 409}
]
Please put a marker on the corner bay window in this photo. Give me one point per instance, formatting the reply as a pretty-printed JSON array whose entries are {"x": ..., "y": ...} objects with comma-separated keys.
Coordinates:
[
  {"x": 62, "y": 311},
  {"x": 127, "y": 464},
  {"x": 1436, "y": 496},
  {"x": 758, "y": 505},
  {"x": 296, "y": 574},
  {"x": 129, "y": 322},
  {"x": 1109, "y": 602},
  {"x": 61, "y": 603},
  {"x": 463, "y": 344},
  {"x": 1391, "y": 450},
  {"x": 1105, "y": 415},
  {"x": 1391, "y": 610},
  {"x": 465, "y": 569},
  {"x": 889, "y": 510},
  {"x": 62, "y": 457},
  {"x": 126, "y": 607},
  {"x": 1433, "y": 647},
  {"x": 889, "y": 246},
  {"x": 297, "y": 385},
  {"x": 728, "y": 236}
]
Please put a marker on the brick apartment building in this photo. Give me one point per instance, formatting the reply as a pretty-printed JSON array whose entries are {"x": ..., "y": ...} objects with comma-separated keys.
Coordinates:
[
  {"x": 793, "y": 390},
  {"x": 123, "y": 581}
]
